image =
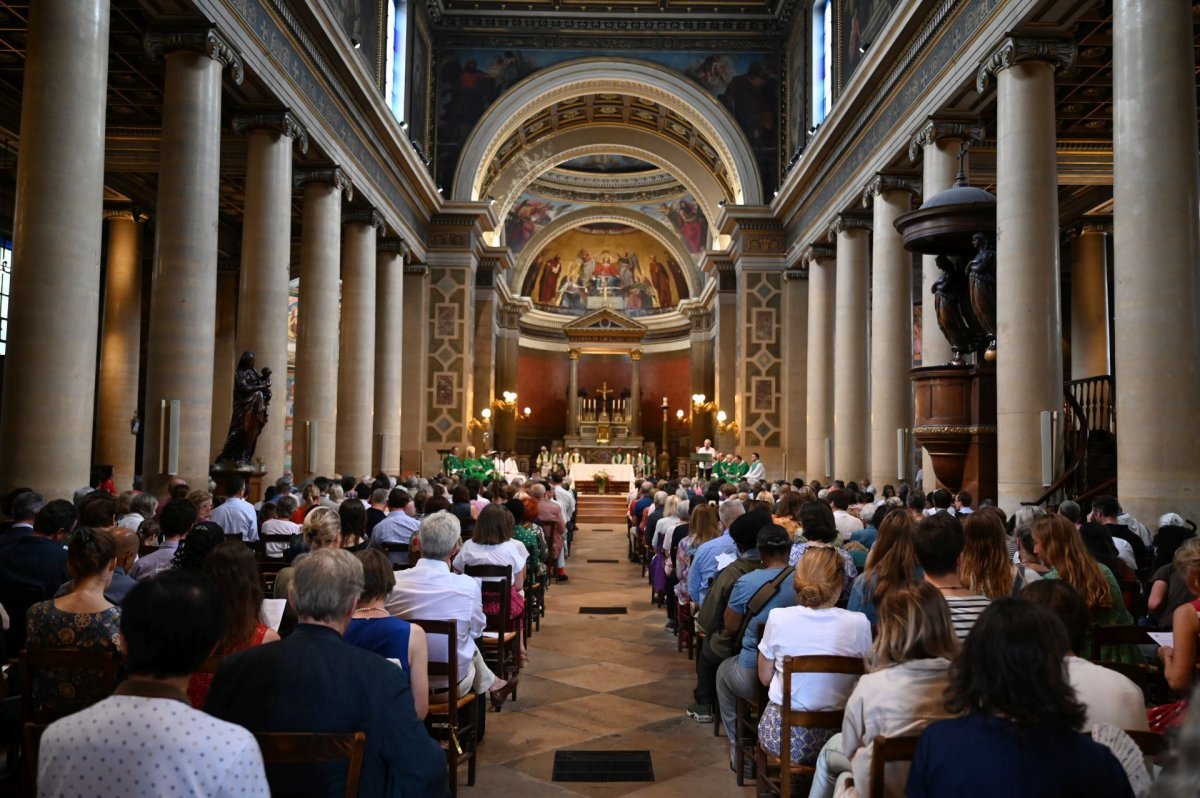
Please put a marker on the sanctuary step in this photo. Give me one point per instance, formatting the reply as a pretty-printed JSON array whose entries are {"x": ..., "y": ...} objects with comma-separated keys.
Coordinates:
[{"x": 601, "y": 509}]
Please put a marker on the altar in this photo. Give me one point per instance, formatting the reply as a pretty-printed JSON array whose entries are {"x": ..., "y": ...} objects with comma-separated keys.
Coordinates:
[
  {"x": 585, "y": 472},
  {"x": 603, "y": 416}
]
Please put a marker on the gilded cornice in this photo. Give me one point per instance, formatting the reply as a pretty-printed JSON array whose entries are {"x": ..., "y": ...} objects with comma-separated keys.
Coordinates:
[
  {"x": 206, "y": 41},
  {"x": 881, "y": 183},
  {"x": 284, "y": 122},
  {"x": 1058, "y": 53},
  {"x": 969, "y": 133}
]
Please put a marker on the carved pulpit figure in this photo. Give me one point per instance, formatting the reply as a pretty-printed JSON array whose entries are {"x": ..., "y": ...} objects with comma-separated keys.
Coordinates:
[
  {"x": 251, "y": 397},
  {"x": 981, "y": 272},
  {"x": 954, "y": 315}
]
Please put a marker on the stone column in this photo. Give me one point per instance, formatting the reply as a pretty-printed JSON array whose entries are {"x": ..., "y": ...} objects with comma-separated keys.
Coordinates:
[
  {"x": 413, "y": 358},
  {"x": 120, "y": 345},
  {"x": 573, "y": 393},
  {"x": 356, "y": 358},
  {"x": 266, "y": 262},
  {"x": 822, "y": 277},
  {"x": 851, "y": 399},
  {"x": 939, "y": 143},
  {"x": 891, "y": 325},
  {"x": 184, "y": 292},
  {"x": 703, "y": 365},
  {"x": 483, "y": 373},
  {"x": 725, "y": 380},
  {"x": 46, "y": 429},
  {"x": 635, "y": 391},
  {"x": 315, "y": 407},
  {"x": 508, "y": 352},
  {"x": 225, "y": 356},
  {"x": 389, "y": 380},
  {"x": 1157, "y": 257},
  {"x": 795, "y": 374},
  {"x": 1090, "y": 338},
  {"x": 1028, "y": 320}
]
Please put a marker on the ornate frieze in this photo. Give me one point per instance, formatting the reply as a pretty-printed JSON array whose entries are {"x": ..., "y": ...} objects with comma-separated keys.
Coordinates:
[
  {"x": 1058, "y": 53},
  {"x": 284, "y": 122},
  {"x": 207, "y": 41},
  {"x": 969, "y": 133}
]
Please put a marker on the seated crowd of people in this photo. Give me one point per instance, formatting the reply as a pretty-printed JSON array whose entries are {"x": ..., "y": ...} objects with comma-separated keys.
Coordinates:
[
  {"x": 163, "y": 608},
  {"x": 1002, "y": 642}
]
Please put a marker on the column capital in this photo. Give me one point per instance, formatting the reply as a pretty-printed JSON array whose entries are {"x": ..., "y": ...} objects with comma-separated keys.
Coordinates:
[
  {"x": 1089, "y": 225},
  {"x": 790, "y": 275},
  {"x": 283, "y": 122},
  {"x": 844, "y": 222},
  {"x": 936, "y": 129},
  {"x": 398, "y": 245},
  {"x": 700, "y": 318},
  {"x": 1058, "y": 53},
  {"x": 131, "y": 212},
  {"x": 416, "y": 269},
  {"x": 204, "y": 40},
  {"x": 815, "y": 252},
  {"x": 573, "y": 353},
  {"x": 635, "y": 355},
  {"x": 367, "y": 216},
  {"x": 881, "y": 183},
  {"x": 333, "y": 176}
]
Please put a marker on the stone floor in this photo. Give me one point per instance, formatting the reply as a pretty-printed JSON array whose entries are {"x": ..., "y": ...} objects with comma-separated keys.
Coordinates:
[{"x": 602, "y": 682}]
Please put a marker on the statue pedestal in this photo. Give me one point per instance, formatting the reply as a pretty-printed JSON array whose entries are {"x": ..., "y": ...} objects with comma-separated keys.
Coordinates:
[
  {"x": 955, "y": 421},
  {"x": 221, "y": 473}
]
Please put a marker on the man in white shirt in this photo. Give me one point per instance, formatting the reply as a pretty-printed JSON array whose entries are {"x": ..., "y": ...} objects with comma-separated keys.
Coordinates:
[
  {"x": 236, "y": 515},
  {"x": 846, "y": 523},
  {"x": 169, "y": 625},
  {"x": 757, "y": 472},
  {"x": 705, "y": 469},
  {"x": 563, "y": 496},
  {"x": 1108, "y": 696},
  {"x": 430, "y": 590}
]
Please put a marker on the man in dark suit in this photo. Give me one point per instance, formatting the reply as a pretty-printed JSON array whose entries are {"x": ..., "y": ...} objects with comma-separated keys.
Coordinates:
[
  {"x": 37, "y": 563},
  {"x": 312, "y": 681}
]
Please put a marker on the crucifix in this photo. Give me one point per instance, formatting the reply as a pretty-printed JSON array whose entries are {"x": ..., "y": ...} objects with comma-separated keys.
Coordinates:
[{"x": 604, "y": 392}]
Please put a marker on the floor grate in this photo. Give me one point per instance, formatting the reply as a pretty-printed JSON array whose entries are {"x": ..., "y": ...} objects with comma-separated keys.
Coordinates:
[
  {"x": 603, "y": 766},
  {"x": 605, "y": 561},
  {"x": 603, "y": 611}
]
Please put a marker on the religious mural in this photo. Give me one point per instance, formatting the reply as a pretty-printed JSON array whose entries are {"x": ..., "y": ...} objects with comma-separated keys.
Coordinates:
[
  {"x": 470, "y": 80},
  {"x": 533, "y": 212},
  {"x": 605, "y": 265},
  {"x": 606, "y": 163},
  {"x": 861, "y": 25}
]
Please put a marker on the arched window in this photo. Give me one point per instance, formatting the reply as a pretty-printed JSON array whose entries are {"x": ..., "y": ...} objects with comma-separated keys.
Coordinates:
[
  {"x": 396, "y": 68},
  {"x": 822, "y": 60}
]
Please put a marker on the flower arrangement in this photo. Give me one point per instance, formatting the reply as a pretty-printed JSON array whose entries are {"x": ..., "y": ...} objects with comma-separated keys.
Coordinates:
[{"x": 601, "y": 478}]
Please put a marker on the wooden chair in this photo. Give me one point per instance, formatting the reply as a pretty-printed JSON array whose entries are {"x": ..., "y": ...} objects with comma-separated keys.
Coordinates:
[
  {"x": 102, "y": 663},
  {"x": 685, "y": 625},
  {"x": 1117, "y": 636},
  {"x": 17, "y": 599},
  {"x": 292, "y": 748},
  {"x": 31, "y": 744},
  {"x": 500, "y": 645},
  {"x": 885, "y": 750},
  {"x": 398, "y": 563},
  {"x": 268, "y": 572},
  {"x": 828, "y": 719},
  {"x": 145, "y": 550},
  {"x": 1134, "y": 588},
  {"x": 445, "y": 718},
  {"x": 535, "y": 597},
  {"x": 747, "y": 715},
  {"x": 260, "y": 546}
]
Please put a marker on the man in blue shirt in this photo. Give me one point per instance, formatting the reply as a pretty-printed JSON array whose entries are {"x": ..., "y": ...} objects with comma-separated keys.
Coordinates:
[
  {"x": 709, "y": 557},
  {"x": 738, "y": 676},
  {"x": 399, "y": 525}
]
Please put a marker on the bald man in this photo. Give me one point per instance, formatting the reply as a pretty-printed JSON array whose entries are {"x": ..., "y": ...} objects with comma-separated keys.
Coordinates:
[{"x": 122, "y": 583}]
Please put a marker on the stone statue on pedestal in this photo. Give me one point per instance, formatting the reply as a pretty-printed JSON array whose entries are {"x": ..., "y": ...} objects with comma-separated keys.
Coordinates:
[
  {"x": 981, "y": 272},
  {"x": 251, "y": 397}
]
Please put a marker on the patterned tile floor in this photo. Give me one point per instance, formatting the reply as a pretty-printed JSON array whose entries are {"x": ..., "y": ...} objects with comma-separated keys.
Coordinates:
[{"x": 602, "y": 682}]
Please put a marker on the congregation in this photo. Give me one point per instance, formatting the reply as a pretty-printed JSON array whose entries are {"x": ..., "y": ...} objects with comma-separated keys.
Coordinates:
[{"x": 983, "y": 642}]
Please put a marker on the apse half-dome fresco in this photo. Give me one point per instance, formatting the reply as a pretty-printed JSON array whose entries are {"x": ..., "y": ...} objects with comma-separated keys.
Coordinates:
[{"x": 605, "y": 265}]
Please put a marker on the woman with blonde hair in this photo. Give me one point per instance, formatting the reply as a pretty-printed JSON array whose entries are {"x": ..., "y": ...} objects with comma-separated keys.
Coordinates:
[
  {"x": 1179, "y": 661},
  {"x": 814, "y": 627},
  {"x": 703, "y": 525},
  {"x": 1057, "y": 543},
  {"x": 890, "y": 563},
  {"x": 312, "y": 498},
  {"x": 322, "y": 529},
  {"x": 986, "y": 567},
  {"x": 903, "y": 692}
]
